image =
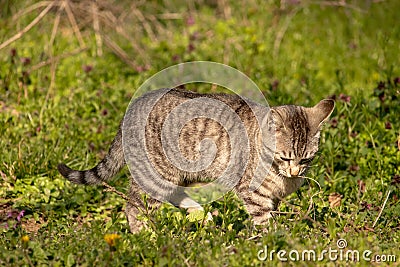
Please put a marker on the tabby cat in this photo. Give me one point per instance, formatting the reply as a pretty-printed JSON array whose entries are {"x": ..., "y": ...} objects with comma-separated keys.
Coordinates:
[{"x": 296, "y": 132}]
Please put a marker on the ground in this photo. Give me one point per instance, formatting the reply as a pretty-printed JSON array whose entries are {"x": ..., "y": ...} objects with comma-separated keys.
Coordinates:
[{"x": 67, "y": 79}]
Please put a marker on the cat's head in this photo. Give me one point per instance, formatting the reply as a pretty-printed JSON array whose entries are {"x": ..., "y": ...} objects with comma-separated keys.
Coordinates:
[{"x": 297, "y": 132}]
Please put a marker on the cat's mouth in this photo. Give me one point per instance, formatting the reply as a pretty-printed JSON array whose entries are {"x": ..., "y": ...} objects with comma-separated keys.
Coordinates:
[{"x": 291, "y": 174}]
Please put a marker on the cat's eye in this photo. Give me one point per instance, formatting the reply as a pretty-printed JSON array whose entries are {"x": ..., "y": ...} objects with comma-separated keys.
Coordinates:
[
  {"x": 306, "y": 161},
  {"x": 285, "y": 159}
]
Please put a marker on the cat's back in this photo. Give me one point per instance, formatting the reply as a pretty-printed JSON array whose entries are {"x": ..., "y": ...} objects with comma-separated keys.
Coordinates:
[
  {"x": 162, "y": 102},
  {"x": 179, "y": 95},
  {"x": 188, "y": 118}
]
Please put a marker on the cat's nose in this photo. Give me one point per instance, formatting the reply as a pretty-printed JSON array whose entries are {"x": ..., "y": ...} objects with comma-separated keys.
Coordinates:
[{"x": 294, "y": 171}]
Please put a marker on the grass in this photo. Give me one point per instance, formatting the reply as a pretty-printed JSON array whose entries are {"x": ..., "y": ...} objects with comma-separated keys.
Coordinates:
[{"x": 69, "y": 110}]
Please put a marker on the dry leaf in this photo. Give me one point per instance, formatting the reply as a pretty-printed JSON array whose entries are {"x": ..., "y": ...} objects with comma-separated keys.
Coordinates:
[
  {"x": 334, "y": 199},
  {"x": 7, "y": 109},
  {"x": 395, "y": 180},
  {"x": 368, "y": 229},
  {"x": 32, "y": 226},
  {"x": 215, "y": 213}
]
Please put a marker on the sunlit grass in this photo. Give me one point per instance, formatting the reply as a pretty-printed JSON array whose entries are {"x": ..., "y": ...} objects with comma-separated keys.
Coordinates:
[{"x": 296, "y": 53}]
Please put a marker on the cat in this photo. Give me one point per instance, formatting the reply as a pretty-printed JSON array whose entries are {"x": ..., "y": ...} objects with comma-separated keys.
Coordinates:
[{"x": 296, "y": 132}]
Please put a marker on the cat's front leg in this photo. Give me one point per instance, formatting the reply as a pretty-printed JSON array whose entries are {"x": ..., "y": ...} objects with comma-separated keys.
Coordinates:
[
  {"x": 259, "y": 207},
  {"x": 260, "y": 216}
]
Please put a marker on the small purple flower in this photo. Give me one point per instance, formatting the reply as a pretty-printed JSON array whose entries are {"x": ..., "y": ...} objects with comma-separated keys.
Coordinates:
[
  {"x": 194, "y": 36},
  {"x": 366, "y": 206},
  {"x": 396, "y": 80},
  {"x": 175, "y": 58},
  {"x": 344, "y": 98},
  {"x": 26, "y": 61},
  {"x": 388, "y": 125},
  {"x": 20, "y": 215},
  {"x": 354, "y": 168},
  {"x": 396, "y": 180},
  {"x": 381, "y": 85},
  {"x": 140, "y": 69},
  {"x": 191, "y": 47},
  {"x": 13, "y": 52},
  {"x": 275, "y": 85},
  {"x": 87, "y": 68},
  {"x": 190, "y": 21}
]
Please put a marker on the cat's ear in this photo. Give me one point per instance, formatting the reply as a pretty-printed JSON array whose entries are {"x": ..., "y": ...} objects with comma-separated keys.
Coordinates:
[
  {"x": 273, "y": 120},
  {"x": 321, "y": 112}
]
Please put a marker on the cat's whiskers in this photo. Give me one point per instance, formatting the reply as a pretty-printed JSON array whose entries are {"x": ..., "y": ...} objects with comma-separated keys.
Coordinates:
[
  {"x": 312, "y": 179},
  {"x": 312, "y": 166},
  {"x": 283, "y": 174}
]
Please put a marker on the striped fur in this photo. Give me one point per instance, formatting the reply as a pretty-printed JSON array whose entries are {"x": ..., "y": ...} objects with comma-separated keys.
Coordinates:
[
  {"x": 296, "y": 128},
  {"x": 112, "y": 163}
]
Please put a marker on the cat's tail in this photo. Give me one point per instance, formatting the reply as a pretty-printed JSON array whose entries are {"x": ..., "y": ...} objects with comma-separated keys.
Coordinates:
[{"x": 112, "y": 163}]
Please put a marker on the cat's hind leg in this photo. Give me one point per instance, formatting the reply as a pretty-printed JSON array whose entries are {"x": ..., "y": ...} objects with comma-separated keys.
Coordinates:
[{"x": 135, "y": 206}]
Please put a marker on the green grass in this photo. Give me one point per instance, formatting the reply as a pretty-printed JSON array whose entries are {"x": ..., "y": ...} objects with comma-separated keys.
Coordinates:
[{"x": 296, "y": 53}]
